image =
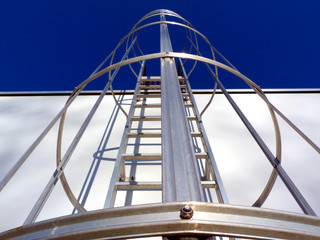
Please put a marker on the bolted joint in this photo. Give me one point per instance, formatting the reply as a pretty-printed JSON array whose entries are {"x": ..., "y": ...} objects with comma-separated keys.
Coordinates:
[
  {"x": 186, "y": 212},
  {"x": 276, "y": 163}
]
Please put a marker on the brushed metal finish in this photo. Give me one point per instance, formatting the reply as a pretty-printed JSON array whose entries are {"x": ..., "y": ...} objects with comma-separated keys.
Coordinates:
[{"x": 163, "y": 219}]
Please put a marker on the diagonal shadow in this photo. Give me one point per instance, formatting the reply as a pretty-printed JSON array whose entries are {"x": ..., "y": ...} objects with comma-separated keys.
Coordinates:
[{"x": 98, "y": 156}]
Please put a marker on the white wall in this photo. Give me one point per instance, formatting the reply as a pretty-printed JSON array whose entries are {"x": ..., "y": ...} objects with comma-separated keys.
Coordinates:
[{"x": 243, "y": 167}]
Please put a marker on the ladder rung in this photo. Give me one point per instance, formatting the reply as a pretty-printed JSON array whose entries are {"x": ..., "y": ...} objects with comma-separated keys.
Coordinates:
[
  {"x": 140, "y": 156},
  {"x": 144, "y": 135},
  {"x": 151, "y": 95},
  {"x": 202, "y": 155},
  {"x": 146, "y": 118},
  {"x": 156, "y": 86},
  {"x": 156, "y": 134},
  {"x": 155, "y": 95},
  {"x": 156, "y": 78},
  {"x": 151, "y": 79},
  {"x": 150, "y": 87},
  {"x": 139, "y": 185},
  {"x": 150, "y": 92},
  {"x": 208, "y": 184},
  {"x": 154, "y": 185},
  {"x": 191, "y": 118},
  {"x": 156, "y": 118},
  {"x": 155, "y": 105},
  {"x": 146, "y": 156},
  {"x": 196, "y": 134}
]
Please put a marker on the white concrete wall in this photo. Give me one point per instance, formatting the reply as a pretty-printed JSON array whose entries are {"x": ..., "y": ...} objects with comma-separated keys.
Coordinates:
[{"x": 243, "y": 167}]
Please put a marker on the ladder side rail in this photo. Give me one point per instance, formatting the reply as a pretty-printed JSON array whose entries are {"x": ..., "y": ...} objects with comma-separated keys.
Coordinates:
[
  {"x": 195, "y": 134},
  {"x": 207, "y": 169},
  {"x": 222, "y": 195},
  {"x": 133, "y": 162},
  {"x": 118, "y": 168}
]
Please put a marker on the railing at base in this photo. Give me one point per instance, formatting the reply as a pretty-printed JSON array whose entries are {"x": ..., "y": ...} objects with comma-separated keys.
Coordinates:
[{"x": 163, "y": 219}]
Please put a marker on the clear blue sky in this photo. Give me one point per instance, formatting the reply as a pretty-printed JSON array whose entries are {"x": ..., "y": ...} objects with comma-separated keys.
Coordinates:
[{"x": 55, "y": 45}]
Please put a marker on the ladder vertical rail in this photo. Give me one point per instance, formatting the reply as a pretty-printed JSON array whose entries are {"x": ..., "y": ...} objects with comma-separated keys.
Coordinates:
[
  {"x": 133, "y": 165},
  {"x": 118, "y": 170},
  {"x": 221, "y": 193},
  {"x": 180, "y": 173}
]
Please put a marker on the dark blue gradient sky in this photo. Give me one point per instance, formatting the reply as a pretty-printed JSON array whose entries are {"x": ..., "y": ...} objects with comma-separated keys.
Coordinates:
[{"x": 55, "y": 45}]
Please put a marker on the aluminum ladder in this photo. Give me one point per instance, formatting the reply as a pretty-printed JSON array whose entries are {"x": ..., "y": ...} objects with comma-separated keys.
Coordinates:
[
  {"x": 163, "y": 110},
  {"x": 145, "y": 110}
]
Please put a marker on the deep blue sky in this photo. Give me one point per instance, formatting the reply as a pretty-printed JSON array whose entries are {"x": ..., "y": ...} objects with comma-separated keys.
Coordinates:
[{"x": 55, "y": 45}]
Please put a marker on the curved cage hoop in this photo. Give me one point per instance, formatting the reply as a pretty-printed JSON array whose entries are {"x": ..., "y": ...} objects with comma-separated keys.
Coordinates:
[{"x": 189, "y": 172}]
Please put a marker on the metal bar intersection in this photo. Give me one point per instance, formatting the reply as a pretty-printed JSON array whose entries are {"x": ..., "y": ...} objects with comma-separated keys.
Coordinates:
[{"x": 189, "y": 170}]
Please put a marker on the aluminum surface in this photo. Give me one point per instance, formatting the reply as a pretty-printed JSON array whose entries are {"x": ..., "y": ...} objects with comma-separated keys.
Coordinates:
[
  {"x": 220, "y": 190},
  {"x": 118, "y": 171},
  {"x": 265, "y": 193},
  {"x": 180, "y": 173},
  {"x": 181, "y": 176},
  {"x": 255, "y": 87},
  {"x": 63, "y": 179},
  {"x": 164, "y": 219}
]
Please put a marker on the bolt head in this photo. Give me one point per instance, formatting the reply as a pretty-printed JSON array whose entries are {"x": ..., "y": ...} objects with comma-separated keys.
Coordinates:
[{"x": 186, "y": 212}]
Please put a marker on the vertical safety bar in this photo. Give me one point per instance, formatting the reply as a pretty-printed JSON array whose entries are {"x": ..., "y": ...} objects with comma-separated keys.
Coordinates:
[{"x": 180, "y": 174}]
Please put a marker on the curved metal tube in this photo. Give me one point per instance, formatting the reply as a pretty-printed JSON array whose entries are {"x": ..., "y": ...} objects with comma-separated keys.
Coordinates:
[
  {"x": 64, "y": 182},
  {"x": 66, "y": 187},
  {"x": 231, "y": 69},
  {"x": 133, "y": 36},
  {"x": 135, "y": 29},
  {"x": 272, "y": 179},
  {"x": 209, "y": 61},
  {"x": 118, "y": 104},
  {"x": 24, "y": 157},
  {"x": 252, "y": 84},
  {"x": 49, "y": 187},
  {"x": 210, "y": 100},
  {"x": 267, "y": 189},
  {"x": 191, "y": 45},
  {"x": 63, "y": 179},
  {"x": 162, "y": 219}
]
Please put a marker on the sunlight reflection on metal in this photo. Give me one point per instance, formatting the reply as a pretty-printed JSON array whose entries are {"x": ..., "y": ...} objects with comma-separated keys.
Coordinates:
[{"x": 176, "y": 101}]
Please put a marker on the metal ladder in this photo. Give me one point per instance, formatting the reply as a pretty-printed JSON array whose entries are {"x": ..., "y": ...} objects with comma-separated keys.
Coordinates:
[
  {"x": 188, "y": 176},
  {"x": 143, "y": 123}
]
